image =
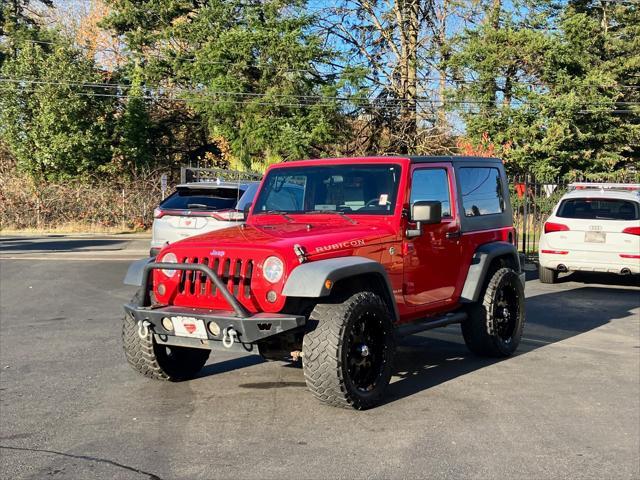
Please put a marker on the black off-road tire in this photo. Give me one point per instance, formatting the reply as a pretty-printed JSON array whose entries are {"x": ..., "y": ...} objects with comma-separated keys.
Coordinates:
[
  {"x": 328, "y": 357},
  {"x": 485, "y": 331},
  {"x": 158, "y": 361},
  {"x": 547, "y": 275}
]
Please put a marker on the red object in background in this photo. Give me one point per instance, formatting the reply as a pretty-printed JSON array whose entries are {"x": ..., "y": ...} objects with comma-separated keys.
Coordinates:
[{"x": 520, "y": 189}]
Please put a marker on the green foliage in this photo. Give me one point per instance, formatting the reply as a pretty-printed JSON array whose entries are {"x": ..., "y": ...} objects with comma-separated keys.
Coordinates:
[
  {"x": 49, "y": 124},
  {"x": 554, "y": 88},
  {"x": 133, "y": 143},
  {"x": 559, "y": 100},
  {"x": 16, "y": 24},
  {"x": 246, "y": 68}
]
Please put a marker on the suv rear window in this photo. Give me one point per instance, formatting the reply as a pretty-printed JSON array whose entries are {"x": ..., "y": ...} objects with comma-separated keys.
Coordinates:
[
  {"x": 599, "y": 209},
  {"x": 202, "y": 198},
  {"x": 481, "y": 191}
]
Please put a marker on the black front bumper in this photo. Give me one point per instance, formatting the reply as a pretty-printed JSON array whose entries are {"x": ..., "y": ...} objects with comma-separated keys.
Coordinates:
[{"x": 249, "y": 329}]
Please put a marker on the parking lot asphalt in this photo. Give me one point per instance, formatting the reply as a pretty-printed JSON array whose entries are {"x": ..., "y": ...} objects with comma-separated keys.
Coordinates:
[{"x": 566, "y": 406}]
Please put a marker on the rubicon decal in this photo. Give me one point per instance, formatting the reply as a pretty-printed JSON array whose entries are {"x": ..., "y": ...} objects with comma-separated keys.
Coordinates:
[{"x": 338, "y": 246}]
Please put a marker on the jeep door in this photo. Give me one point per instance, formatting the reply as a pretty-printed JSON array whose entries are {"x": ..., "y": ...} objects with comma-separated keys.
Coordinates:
[{"x": 432, "y": 259}]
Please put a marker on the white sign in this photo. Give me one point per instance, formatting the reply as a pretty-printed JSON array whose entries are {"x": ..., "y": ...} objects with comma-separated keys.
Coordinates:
[{"x": 163, "y": 184}]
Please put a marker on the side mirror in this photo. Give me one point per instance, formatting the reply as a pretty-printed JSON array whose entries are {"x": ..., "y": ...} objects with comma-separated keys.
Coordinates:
[
  {"x": 424, "y": 211},
  {"x": 245, "y": 211}
]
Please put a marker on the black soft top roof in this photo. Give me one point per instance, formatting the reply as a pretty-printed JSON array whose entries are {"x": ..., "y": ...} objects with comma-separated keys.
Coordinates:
[{"x": 452, "y": 158}]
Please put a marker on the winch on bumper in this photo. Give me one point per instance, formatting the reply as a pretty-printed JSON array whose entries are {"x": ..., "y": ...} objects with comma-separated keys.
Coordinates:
[{"x": 238, "y": 325}]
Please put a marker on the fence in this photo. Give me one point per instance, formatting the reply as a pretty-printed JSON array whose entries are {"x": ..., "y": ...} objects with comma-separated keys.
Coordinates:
[
  {"x": 77, "y": 205},
  {"x": 532, "y": 203},
  {"x": 198, "y": 174},
  {"x": 97, "y": 205},
  {"x": 129, "y": 205}
]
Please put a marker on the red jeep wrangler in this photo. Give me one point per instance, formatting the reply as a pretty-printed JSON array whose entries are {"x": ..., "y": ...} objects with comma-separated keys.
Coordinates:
[{"x": 337, "y": 260}]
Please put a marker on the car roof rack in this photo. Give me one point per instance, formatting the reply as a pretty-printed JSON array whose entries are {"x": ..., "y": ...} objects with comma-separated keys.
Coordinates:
[
  {"x": 624, "y": 187},
  {"x": 216, "y": 175}
]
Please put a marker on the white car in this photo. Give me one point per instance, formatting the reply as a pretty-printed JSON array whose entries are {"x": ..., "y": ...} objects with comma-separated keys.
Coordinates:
[
  {"x": 594, "y": 228},
  {"x": 201, "y": 207}
]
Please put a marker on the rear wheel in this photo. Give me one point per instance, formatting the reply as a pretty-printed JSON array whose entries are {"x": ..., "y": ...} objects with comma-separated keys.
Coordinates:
[
  {"x": 348, "y": 358},
  {"x": 547, "y": 275},
  {"x": 495, "y": 323},
  {"x": 159, "y": 362}
]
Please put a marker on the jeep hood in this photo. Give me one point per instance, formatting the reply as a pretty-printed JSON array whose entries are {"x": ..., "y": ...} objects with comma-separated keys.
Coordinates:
[{"x": 317, "y": 238}]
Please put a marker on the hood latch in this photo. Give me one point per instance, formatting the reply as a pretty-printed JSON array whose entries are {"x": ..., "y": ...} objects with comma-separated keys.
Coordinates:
[{"x": 300, "y": 253}]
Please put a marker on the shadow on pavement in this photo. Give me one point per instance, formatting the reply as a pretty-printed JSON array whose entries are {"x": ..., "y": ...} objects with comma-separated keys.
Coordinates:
[
  {"x": 228, "y": 365},
  {"x": 591, "y": 278},
  {"x": 54, "y": 245},
  {"x": 423, "y": 362},
  {"x": 601, "y": 279}
]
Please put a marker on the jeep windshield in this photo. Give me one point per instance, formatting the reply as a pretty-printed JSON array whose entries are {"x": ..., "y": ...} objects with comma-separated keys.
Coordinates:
[{"x": 353, "y": 189}]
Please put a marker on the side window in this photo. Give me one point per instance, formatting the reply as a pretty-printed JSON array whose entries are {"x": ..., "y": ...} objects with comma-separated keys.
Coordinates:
[
  {"x": 432, "y": 184},
  {"x": 481, "y": 191}
]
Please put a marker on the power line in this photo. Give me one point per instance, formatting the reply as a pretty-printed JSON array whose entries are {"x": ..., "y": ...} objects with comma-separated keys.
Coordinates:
[
  {"x": 371, "y": 107},
  {"x": 252, "y": 95},
  {"x": 315, "y": 72}
]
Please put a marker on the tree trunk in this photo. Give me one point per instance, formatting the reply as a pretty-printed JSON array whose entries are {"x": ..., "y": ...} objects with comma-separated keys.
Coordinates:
[
  {"x": 494, "y": 20},
  {"x": 412, "y": 81}
]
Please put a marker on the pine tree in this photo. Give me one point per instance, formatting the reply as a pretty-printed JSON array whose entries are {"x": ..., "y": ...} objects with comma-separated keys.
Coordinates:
[
  {"x": 51, "y": 124},
  {"x": 559, "y": 99},
  {"x": 133, "y": 147},
  {"x": 248, "y": 68},
  {"x": 18, "y": 24}
]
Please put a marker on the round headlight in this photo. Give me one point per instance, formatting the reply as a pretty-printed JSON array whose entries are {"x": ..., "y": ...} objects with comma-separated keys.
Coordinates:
[
  {"x": 169, "y": 258},
  {"x": 272, "y": 269}
]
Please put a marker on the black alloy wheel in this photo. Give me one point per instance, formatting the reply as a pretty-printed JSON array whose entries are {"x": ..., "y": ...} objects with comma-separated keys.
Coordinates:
[{"x": 366, "y": 352}]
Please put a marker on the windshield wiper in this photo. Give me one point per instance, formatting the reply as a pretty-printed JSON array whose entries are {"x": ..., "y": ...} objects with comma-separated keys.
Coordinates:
[
  {"x": 277, "y": 212},
  {"x": 334, "y": 212}
]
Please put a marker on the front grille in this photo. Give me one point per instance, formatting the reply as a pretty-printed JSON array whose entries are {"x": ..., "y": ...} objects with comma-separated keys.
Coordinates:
[{"x": 235, "y": 274}]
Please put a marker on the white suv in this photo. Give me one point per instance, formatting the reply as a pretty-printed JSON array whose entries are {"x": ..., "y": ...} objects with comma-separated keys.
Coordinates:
[
  {"x": 201, "y": 207},
  {"x": 595, "y": 228}
]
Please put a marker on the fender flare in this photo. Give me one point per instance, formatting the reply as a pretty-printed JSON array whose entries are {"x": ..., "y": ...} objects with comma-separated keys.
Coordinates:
[
  {"x": 479, "y": 267},
  {"x": 135, "y": 272},
  {"x": 309, "y": 280}
]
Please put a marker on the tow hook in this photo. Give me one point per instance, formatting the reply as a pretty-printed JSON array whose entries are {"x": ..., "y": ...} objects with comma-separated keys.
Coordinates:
[
  {"x": 229, "y": 337},
  {"x": 296, "y": 355},
  {"x": 143, "y": 329}
]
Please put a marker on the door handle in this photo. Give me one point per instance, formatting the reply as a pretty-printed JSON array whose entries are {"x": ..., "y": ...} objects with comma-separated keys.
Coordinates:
[{"x": 453, "y": 234}]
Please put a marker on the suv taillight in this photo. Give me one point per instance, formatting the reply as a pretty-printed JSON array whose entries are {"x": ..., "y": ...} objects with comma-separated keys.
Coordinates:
[
  {"x": 632, "y": 230},
  {"x": 158, "y": 213},
  {"x": 555, "y": 227},
  {"x": 228, "y": 215}
]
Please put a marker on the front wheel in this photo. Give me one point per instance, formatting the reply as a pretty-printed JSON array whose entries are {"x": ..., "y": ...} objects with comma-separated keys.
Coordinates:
[
  {"x": 494, "y": 324},
  {"x": 155, "y": 361},
  {"x": 348, "y": 358}
]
